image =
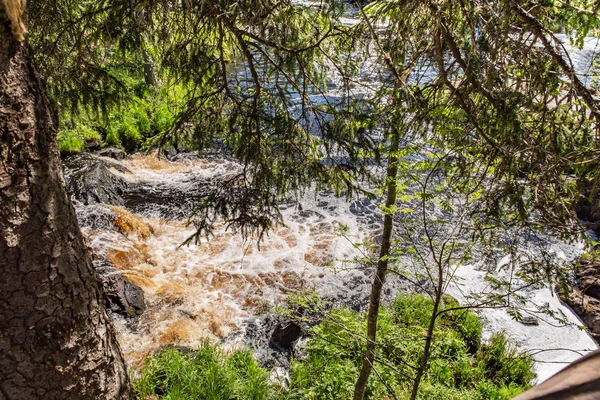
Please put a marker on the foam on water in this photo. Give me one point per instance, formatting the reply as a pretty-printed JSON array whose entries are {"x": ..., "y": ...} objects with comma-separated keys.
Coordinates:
[
  {"x": 198, "y": 291},
  {"x": 209, "y": 290},
  {"x": 553, "y": 345}
]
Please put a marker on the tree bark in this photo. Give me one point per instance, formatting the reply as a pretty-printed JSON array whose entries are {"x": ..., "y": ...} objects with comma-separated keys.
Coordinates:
[
  {"x": 429, "y": 338},
  {"x": 149, "y": 76},
  {"x": 382, "y": 268},
  {"x": 56, "y": 341}
]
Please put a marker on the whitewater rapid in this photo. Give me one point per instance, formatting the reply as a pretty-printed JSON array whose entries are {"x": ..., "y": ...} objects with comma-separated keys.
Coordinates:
[{"x": 213, "y": 289}]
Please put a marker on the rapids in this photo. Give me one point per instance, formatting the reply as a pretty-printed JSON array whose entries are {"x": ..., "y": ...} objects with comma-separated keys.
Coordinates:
[
  {"x": 215, "y": 289},
  {"x": 208, "y": 290}
]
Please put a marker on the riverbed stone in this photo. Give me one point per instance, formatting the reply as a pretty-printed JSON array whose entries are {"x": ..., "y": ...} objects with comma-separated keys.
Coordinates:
[
  {"x": 584, "y": 299},
  {"x": 112, "y": 152},
  {"x": 529, "y": 320},
  {"x": 285, "y": 335},
  {"x": 122, "y": 297},
  {"x": 90, "y": 179}
]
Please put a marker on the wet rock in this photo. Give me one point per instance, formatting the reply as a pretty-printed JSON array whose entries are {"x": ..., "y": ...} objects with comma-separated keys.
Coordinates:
[
  {"x": 122, "y": 297},
  {"x": 588, "y": 310},
  {"x": 158, "y": 198},
  {"x": 93, "y": 145},
  {"x": 130, "y": 145},
  {"x": 112, "y": 152},
  {"x": 170, "y": 153},
  {"x": 128, "y": 223},
  {"x": 588, "y": 277},
  {"x": 96, "y": 216},
  {"x": 285, "y": 335},
  {"x": 93, "y": 180},
  {"x": 585, "y": 296},
  {"x": 258, "y": 333},
  {"x": 90, "y": 180},
  {"x": 529, "y": 320}
]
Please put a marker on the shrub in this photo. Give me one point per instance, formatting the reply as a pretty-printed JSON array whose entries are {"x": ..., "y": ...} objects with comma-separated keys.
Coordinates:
[
  {"x": 112, "y": 137},
  {"x": 208, "y": 373},
  {"x": 502, "y": 362},
  {"x": 163, "y": 118},
  {"x": 459, "y": 366},
  {"x": 70, "y": 141},
  {"x": 495, "y": 371},
  {"x": 468, "y": 326},
  {"x": 412, "y": 310},
  {"x": 88, "y": 133}
]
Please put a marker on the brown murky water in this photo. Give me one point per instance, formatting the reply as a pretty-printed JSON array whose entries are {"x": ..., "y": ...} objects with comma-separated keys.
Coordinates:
[{"x": 198, "y": 291}]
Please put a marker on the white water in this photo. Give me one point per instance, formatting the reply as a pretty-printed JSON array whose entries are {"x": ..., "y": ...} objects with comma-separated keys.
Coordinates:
[
  {"x": 194, "y": 292},
  {"x": 209, "y": 290},
  {"x": 553, "y": 345}
]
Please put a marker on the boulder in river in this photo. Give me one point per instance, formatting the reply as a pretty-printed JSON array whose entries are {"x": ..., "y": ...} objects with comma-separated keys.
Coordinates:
[
  {"x": 122, "y": 297},
  {"x": 273, "y": 339},
  {"x": 90, "y": 180},
  {"x": 285, "y": 335},
  {"x": 529, "y": 320},
  {"x": 112, "y": 152},
  {"x": 585, "y": 297}
]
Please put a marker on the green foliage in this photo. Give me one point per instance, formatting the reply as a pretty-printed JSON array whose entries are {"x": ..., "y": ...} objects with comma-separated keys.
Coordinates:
[
  {"x": 334, "y": 355},
  {"x": 70, "y": 141},
  {"x": 89, "y": 134},
  {"x": 208, "y": 373},
  {"x": 144, "y": 113},
  {"x": 74, "y": 140},
  {"x": 459, "y": 368},
  {"x": 112, "y": 138},
  {"x": 500, "y": 362},
  {"x": 252, "y": 69}
]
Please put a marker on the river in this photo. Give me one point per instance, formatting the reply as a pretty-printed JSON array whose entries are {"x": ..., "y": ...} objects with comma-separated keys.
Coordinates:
[{"x": 217, "y": 288}]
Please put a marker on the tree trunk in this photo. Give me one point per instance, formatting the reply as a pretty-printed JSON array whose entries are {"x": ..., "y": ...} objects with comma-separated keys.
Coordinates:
[
  {"x": 149, "y": 76},
  {"x": 56, "y": 341},
  {"x": 382, "y": 267},
  {"x": 429, "y": 338}
]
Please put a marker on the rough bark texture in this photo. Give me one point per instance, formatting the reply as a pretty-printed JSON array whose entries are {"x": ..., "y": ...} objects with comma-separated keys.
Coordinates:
[
  {"x": 56, "y": 341},
  {"x": 578, "y": 381}
]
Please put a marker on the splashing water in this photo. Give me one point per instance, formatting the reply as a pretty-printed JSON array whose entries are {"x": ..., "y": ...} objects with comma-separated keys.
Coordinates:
[
  {"x": 206, "y": 290},
  {"x": 211, "y": 289}
]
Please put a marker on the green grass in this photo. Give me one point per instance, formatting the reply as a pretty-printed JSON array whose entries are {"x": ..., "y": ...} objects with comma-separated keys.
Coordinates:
[
  {"x": 461, "y": 367},
  {"x": 208, "y": 373},
  {"x": 70, "y": 141}
]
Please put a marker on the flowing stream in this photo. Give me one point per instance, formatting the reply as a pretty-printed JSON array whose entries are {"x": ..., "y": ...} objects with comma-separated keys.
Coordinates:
[
  {"x": 214, "y": 289},
  {"x": 208, "y": 290}
]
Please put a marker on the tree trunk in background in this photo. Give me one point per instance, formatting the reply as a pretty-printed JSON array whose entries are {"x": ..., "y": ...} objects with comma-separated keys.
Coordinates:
[
  {"x": 382, "y": 268},
  {"x": 56, "y": 341},
  {"x": 149, "y": 76}
]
